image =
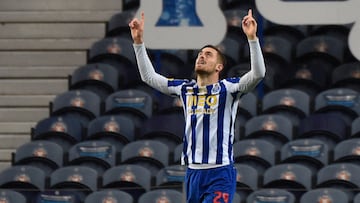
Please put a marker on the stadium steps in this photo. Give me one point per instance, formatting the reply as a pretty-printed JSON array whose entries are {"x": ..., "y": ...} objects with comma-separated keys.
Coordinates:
[{"x": 41, "y": 43}]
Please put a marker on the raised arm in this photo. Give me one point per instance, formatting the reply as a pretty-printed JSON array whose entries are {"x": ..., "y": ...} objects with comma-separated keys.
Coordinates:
[
  {"x": 146, "y": 69},
  {"x": 257, "y": 71}
]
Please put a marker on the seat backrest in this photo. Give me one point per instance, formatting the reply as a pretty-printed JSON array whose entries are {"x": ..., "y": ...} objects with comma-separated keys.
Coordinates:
[
  {"x": 325, "y": 195},
  {"x": 46, "y": 155},
  {"x": 109, "y": 195},
  {"x": 99, "y": 155},
  {"x": 355, "y": 128},
  {"x": 247, "y": 179},
  {"x": 61, "y": 196},
  {"x": 171, "y": 177},
  {"x": 342, "y": 175},
  {"x": 347, "y": 151},
  {"x": 269, "y": 195},
  {"x": 11, "y": 196},
  {"x": 162, "y": 195}
]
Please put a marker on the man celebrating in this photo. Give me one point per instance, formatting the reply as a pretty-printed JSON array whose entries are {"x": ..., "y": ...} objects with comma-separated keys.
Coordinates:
[{"x": 210, "y": 107}]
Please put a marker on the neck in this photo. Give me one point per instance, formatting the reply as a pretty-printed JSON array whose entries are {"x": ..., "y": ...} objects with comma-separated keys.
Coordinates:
[{"x": 204, "y": 80}]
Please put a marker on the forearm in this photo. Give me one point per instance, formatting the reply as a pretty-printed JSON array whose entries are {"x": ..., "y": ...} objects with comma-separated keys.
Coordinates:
[{"x": 147, "y": 71}]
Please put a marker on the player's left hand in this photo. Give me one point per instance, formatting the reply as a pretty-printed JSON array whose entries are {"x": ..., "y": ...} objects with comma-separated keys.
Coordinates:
[{"x": 249, "y": 25}]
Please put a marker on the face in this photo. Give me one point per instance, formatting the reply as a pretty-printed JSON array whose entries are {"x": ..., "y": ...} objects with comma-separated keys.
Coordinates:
[{"x": 207, "y": 62}]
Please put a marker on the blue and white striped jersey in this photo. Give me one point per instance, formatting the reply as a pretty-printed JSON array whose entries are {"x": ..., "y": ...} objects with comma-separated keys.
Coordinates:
[{"x": 210, "y": 114}]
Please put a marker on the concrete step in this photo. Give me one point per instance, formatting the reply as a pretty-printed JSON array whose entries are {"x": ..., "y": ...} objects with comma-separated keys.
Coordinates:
[
  {"x": 37, "y": 72},
  {"x": 33, "y": 114},
  {"x": 33, "y": 86},
  {"x": 51, "y": 30},
  {"x": 12, "y": 141},
  {"x": 25, "y": 100},
  {"x": 42, "y": 58},
  {"x": 17, "y": 127},
  {"x": 47, "y": 44},
  {"x": 57, "y": 16},
  {"x": 73, "y": 5}
]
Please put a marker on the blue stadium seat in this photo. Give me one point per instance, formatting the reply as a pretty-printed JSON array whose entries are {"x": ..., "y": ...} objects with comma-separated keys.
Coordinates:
[
  {"x": 270, "y": 195},
  {"x": 167, "y": 128},
  {"x": 118, "y": 52},
  {"x": 311, "y": 153},
  {"x": 292, "y": 103},
  {"x": 347, "y": 75},
  {"x": 293, "y": 177},
  {"x": 231, "y": 49},
  {"x": 131, "y": 4},
  {"x": 43, "y": 154},
  {"x": 355, "y": 128},
  {"x": 357, "y": 198},
  {"x": 154, "y": 155},
  {"x": 79, "y": 104},
  {"x": 117, "y": 129},
  {"x": 277, "y": 53},
  {"x": 247, "y": 180},
  {"x": 171, "y": 177},
  {"x": 325, "y": 52},
  {"x": 234, "y": 18},
  {"x": 306, "y": 78},
  {"x": 328, "y": 128},
  {"x": 168, "y": 104},
  {"x": 274, "y": 128},
  {"x": 58, "y": 196},
  {"x": 99, "y": 78},
  {"x": 342, "y": 101},
  {"x": 177, "y": 154},
  {"x": 81, "y": 179},
  {"x": 343, "y": 176},
  {"x": 27, "y": 180},
  {"x": 98, "y": 155},
  {"x": 118, "y": 25},
  {"x": 132, "y": 179},
  {"x": 162, "y": 195},
  {"x": 134, "y": 103},
  {"x": 257, "y": 153},
  {"x": 64, "y": 131},
  {"x": 109, "y": 195},
  {"x": 11, "y": 196},
  {"x": 325, "y": 195},
  {"x": 347, "y": 151}
]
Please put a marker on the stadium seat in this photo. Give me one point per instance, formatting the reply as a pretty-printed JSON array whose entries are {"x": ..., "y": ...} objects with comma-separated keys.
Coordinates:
[
  {"x": 293, "y": 177},
  {"x": 274, "y": 128},
  {"x": 99, "y": 78},
  {"x": 11, "y": 196},
  {"x": 355, "y": 128},
  {"x": 231, "y": 49},
  {"x": 346, "y": 75},
  {"x": 347, "y": 151},
  {"x": 177, "y": 154},
  {"x": 357, "y": 198},
  {"x": 98, "y": 155},
  {"x": 312, "y": 153},
  {"x": 118, "y": 52},
  {"x": 328, "y": 128},
  {"x": 257, "y": 153},
  {"x": 136, "y": 104},
  {"x": 270, "y": 195},
  {"x": 324, "y": 195},
  {"x": 292, "y": 103},
  {"x": 118, "y": 25},
  {"x": 27, "y": 180},
  {"x": 131, "y": 4},
  {"x": 344, "y": 176},
  {"x": 43, "y": 154},
  {"x": 154, "y": 155},
  {"x": 277, "y": 52},
  {"x": 171, "y": 177},
  {"x": 64, "y": 131},
  {"x": 116, "y": 129},
  {"x": 80, "y": 179},
  {"x": 247, "y": 180},
  {"x": 234, "y": 18},
  {"x": 167, "y": 128},
  {"x": 306, "y": 78},
  {"x": 342, "y": 101},
  {"x": 244, "y": 5},
  {"x": 83, "y": 105},
  {"x": 162, "y": 195},
  {"x": 61, "y": 196},
  {"x": 325, "y": 52},
  {"x": 132, "y": 179},
  {"x": 109, "y": 195},
  {"x": 168, "y": 104}
]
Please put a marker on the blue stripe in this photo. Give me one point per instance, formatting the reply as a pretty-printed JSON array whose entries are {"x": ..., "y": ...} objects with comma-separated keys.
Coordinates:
[
  {"x": 206, "y": 130},
  {"x": 193, "y": 128},
  {"x": 220, "y": 123},
  {"x": 235, "y": 97},
  {"x": 176, "y": 82},
  {"x": 185, "y": 141},
  {"x": 233, "y": 80}
]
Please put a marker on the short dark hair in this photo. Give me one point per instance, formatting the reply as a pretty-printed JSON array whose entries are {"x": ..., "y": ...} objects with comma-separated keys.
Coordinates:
[{"x": 220, "y": 54}]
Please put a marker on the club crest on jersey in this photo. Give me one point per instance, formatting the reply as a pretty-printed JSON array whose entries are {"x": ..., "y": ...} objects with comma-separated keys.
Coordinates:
[{"x": 216, "y": 89}]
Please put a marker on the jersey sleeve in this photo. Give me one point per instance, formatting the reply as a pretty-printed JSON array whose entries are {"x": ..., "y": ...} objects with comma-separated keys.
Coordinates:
[
  {"x": 151, "y": 77},
  {"x": 257, "y": 72}
]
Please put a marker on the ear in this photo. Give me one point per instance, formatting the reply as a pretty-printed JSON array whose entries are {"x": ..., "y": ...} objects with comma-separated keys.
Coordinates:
[{"x": 219, "y": 67}]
